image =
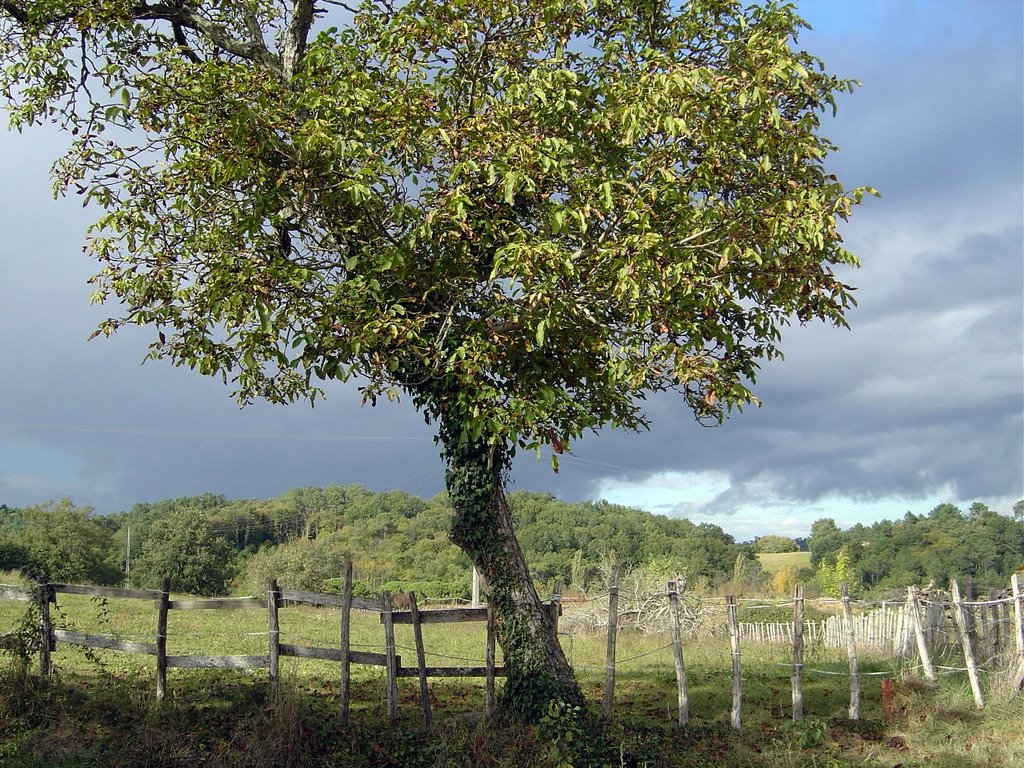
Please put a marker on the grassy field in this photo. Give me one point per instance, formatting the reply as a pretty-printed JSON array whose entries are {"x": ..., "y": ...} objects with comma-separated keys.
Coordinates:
[
  {"x": 100, "y": 710},
  {"x": 773, "y": 562}
]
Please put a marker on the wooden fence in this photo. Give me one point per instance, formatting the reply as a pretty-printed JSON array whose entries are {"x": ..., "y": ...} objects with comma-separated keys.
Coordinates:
[
  {"x": 50, "y": 637},
  {"x": 909, "y": 626}
]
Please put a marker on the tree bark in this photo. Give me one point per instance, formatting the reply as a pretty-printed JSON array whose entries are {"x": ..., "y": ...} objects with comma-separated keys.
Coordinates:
[{"x": 536, "y": 669}]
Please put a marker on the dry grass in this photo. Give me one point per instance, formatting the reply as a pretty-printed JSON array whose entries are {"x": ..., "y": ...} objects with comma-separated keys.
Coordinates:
[
  {"x": 100, "y": 709},
  {"x": 773, "y": 562}
]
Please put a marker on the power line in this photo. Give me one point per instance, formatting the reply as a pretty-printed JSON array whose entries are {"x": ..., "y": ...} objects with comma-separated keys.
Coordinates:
[{"x": 224, "y": 435}]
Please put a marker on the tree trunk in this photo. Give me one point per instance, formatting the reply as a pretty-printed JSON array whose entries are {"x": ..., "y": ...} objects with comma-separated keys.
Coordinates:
[{"x": 536, "y": 670}]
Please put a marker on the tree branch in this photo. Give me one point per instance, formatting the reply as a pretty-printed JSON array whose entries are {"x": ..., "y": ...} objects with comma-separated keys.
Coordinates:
[
  {"x": 252, "y": 50},
  {"x": 296, "y": 36},
  {"x": 19, "y": 11},
  {"x": 16, "y": 10},
  {"x": 182, "y": 41}
]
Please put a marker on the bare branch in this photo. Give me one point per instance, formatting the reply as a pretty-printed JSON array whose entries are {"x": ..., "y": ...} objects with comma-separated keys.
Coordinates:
[
  {"x": 351, "y": 9},
  {"x": 252, "y": 50},
  {"x": 186, "y": 49}
]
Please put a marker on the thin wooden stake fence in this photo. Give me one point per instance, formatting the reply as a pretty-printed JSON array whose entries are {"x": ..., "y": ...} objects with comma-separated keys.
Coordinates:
[
  {"x": 1018, "y": 629},
  {"x": 922, "y": 643},
  {"x": 737, "y": 676},
  {"x": 851, "y": 648},
  {"x": 963, "y": 627},
  {"x": 798, "y": 653}
]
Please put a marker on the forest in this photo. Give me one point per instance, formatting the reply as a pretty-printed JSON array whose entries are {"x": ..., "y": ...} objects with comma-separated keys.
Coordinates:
[{"x": 212, "y": 545}]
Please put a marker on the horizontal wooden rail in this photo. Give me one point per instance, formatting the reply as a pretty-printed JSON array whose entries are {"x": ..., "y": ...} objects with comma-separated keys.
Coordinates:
[
  {"x": 440, "y": 616},
  {"x": 236, "y": 603},
  {"x": 367, "y": 657},
  {"x": 104, "y": 641},
  {"x": 450, "y": 671},
  {"x": 299, "y": 597},
  {"x": 333, "y": 654},
  {"x": 311, "y": 652},
  {"x": 218, "y": 662}
]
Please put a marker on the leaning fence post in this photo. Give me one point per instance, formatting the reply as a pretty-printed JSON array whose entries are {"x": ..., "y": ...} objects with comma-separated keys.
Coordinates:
[
  {"x": 491, "y": 632},
  {"x": 965, "y": 642},
  {"x": 613, "y": 625},
  {"x": 421, "y": 662},
  {"x": 392, "y": 661},
  {"x": 273, "y": 637},
  {"x": 922, "y": 642},
  {"x": 737, "y": 678},
  {"x": 161, "y": 637},
  {"x": 1018, "y": 629},
  {"x": 851, "y": 649},
  {"x": 677, "y": 647},
  {"x": 346, "y": 640},
  {"x": 45, "y": 629},
  {"x": 798, "y": 653}
]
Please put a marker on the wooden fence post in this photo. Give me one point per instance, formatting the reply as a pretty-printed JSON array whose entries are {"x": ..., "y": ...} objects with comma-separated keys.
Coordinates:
[
  {"x": 389, "y": 651},
  {"x": 45, "y": 629},
  {"x": 491, "y": 633},
  {"x": 677, "y": 647},
  {"x": 984, "y": 633},
  {"x": 1018, "y": 630},
  {"x": 346, "y": 641},
  {"x": 1018, "y": 615},
  {"x": 965, "y": 642},
  {"x": 737, "y": 679},
  {"x": 851, "y": 648},
  {"x": 922, "y": 642},
  {"x": 556, "y": 604},
  {"x": 968, "y": 614},
  {"x": 1006, "y": 645},
  {"x": 421, "y": 661},
  {"x": 475, "y": 593},
  {"x": 995, "y": 628},
  {"x": 798, "y": 653},
  {"x": 613, "y": 626},
  {"x": 161, "y": 638},
  {"x": 273, "y": 637}
]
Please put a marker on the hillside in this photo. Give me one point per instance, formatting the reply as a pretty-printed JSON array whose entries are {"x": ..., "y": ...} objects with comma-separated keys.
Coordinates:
[
  {"x": 302, "y": 538},
  {"x": 211, "y": 544}
]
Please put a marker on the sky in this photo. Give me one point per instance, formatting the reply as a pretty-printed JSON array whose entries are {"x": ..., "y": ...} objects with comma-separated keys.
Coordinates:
[{"x": 921, "y": 402}]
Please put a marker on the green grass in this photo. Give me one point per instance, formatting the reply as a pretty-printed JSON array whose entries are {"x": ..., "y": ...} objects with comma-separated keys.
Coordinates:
[
  {"x": 99, "y": 709},
  {"x": 773, "y": 562}
]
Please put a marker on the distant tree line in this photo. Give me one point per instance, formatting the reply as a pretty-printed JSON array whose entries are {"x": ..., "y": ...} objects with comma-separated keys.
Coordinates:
[
  {"x": 209, "y": 544},
  {"x": 923, "y": 549}
]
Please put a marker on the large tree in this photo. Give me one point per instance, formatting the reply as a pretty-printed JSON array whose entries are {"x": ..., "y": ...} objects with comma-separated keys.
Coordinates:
[{"x": 524, "y": 216}]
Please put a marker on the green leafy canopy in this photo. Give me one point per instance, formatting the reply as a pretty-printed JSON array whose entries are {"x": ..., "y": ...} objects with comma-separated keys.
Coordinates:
[{"x": 524, "y": 215}]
